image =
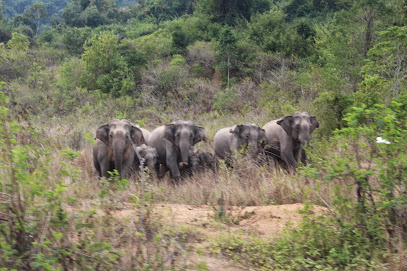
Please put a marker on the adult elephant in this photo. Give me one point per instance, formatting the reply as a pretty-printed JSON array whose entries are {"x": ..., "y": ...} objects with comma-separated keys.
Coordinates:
[
  {"x": 146, "y": 133},
  {"x": 248, "y": 136},
  {"x": 173, "y": 143},
  {"x": 114, "y": 148},
  {"x": 285, "y": 136}
]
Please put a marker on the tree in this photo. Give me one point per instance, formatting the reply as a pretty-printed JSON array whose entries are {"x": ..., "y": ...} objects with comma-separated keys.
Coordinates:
[
  {"x": 386, "y": 66},
  {"x": 36, "y": 14},
  {"x": 18, "y": 41},
  {"x": 227, "y": 50},
  {"x": 228, "y": 11},
  {"x": 111, "y": 66}
]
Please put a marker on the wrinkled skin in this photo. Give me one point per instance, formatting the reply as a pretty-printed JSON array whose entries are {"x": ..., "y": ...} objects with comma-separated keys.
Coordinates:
[
  {"x": 286, "y": 136},
  {"x": 199, "y": 161},
  {"x": 114, "y": 149},
  {"x": 206, "y": 160},
  {"x": 245, "y": 137},
  {"x": 173, "y": 143},
  {"x": 193, "y": 164},
  {"x": 149, "y": 154},
  {"x": 146, "y": 133}
]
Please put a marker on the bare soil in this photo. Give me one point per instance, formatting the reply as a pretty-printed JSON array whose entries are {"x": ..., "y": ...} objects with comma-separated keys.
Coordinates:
[{"x": 267, "y": 222}]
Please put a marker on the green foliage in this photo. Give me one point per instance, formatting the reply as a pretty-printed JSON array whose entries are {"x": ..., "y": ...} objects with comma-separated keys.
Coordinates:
[
  {"x": 156, "y": 45},
  {"x": 111, "y": 66},
  {"x": 344, "y": 61},
  {"x": 13, "y": 8},
  {"x": 74, "y": 38},
  {"x": 18, "y": 41},
  {"x": 230, "y": 12},
  {"x": 15, "y": 63},
  {"x": 331, "y": 109},
  {"x": 271, "y": 33},
  {"x": 162, "y": 10},
  {"x": 385, "y": 66},
  {"x": 37, "y": 13},
  {"x": 35, "y": 235},
  {"x": 226, "y": 100},
  {"x": 374, "y": 169},
  {"x": 226, "y": 51}
]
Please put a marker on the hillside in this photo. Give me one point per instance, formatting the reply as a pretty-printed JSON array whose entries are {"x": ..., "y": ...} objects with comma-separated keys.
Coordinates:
[{"x": 218, "y": 64}]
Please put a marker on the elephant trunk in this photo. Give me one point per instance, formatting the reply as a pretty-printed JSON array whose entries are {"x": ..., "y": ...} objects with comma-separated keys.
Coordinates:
[
  {"x": 150, "y": 161},
  {"x": 304, "y": 135},
  {"x": 184, "y": 149},
  {"x": 253, "y": 148},
  {"x": 118, "y": 152}
]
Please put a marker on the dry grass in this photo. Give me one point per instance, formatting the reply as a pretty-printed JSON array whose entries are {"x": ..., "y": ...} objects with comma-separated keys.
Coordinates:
[{"x": 246, "y": 184}]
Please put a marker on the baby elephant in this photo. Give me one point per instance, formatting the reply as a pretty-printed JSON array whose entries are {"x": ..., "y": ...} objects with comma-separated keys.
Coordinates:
[
  {"x": 199, "y": 161},
  {"x": 206, "y": 160},
  {"x": 149, "y": 154}
]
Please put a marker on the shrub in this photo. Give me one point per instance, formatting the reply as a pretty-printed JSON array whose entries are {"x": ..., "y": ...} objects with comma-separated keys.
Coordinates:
[
  {"x": 18, "y": 41},
  {"x": 110, "y": 65},
  {"x": 14, "y": 63}
]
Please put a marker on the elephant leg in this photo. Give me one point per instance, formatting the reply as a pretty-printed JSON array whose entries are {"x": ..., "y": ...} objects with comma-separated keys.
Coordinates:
[
  {"x": 97, "y": 168},
  {"x": 303, "y": 157},
  {"x": 104, "y": 168},
  {"x": 171, "y": 160},
  {"x": 128, "y": 164},
  {"x": 296, "y": 154},
  {"x": 161, "y": 171},
  {"x": 157, "y": 170},
  {"x": 289, "y": 158}
]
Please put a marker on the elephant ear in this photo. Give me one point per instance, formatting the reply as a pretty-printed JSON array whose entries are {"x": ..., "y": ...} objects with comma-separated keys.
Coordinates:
[
  {"x": 136, "y": 135},
  {"x": 286, "y": 123},
  {"x": 102, "y": 133},
  {"x": 238, "y": 130},
  {"x": 314, "y": 124},
  {"x": 199, "y": 135},
  {"x": 169, "y": 131}
]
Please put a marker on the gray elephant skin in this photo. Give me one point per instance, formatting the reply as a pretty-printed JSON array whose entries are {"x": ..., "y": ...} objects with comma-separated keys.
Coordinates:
[
  {"x": 114, "y": 147},
  {"x": 146, "y": 133},
  {"x": 285, "y": 137},
  {"x": 173, "y": 143},
  {"x": 206, "y": 160},
  {"x": 247, "y": 136},
  {"x": 199, "y": 161},
  {"x": 148, "y": 153}
]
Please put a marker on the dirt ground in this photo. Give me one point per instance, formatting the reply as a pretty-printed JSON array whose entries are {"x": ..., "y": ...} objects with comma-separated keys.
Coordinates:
[{"x": 265, "y": 221}]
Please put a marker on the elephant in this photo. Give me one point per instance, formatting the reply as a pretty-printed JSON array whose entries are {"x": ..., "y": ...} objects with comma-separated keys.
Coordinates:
[
  {"x": 114, "y": 147},
  {"x": 206, "y": 160},
  {"x": 146, "y": 133},
  {"x": 247, "y": 136},
  {"x": 199, "y": 161},
  {"x": 149, "y": 154},
  {"x": 193, "y": 164},
  {"x": 173, "y": 143},
  {"x": 285, "y": 137}
]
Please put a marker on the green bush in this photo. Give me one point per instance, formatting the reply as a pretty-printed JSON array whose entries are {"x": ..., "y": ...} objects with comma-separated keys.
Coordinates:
[
  {"x": 36, "y": 233},
  {"x": 111, "y": 65}
]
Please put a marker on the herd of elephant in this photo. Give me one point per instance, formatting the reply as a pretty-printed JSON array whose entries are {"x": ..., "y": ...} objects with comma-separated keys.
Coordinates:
[{"x": 123, "y": 146}]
